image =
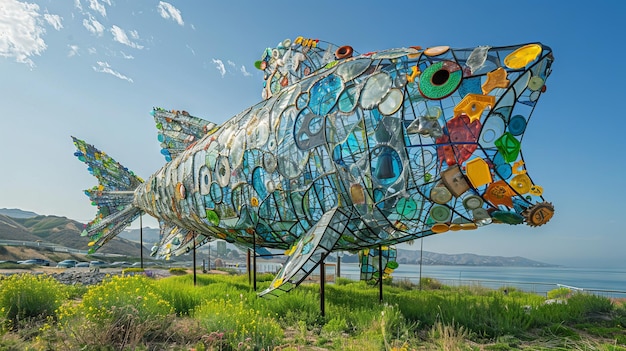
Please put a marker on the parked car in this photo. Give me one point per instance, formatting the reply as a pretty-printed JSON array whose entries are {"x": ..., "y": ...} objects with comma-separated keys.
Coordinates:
[
  {"x": 145, "y": 264},
  {"x": 36, "y": 261},
  {"x": 67, "y": 263},
  {"x": 82, "y": 264},
  {"x": 120, "y": 264},
  {"x": 99, "y": 264}
]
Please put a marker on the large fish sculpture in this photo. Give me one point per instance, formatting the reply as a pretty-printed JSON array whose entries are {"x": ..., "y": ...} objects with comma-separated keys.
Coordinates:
[{"x": 347, "y": 152}]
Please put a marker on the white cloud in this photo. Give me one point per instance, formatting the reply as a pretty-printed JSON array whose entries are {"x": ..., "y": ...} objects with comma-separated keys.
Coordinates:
[
  {"x": 78, "y": 5},
  {"x": 53, "y": 20},
  {"x": 93, "y": 26},
  {"x": 120, "y": 36},
  {"x": 134, "y": 34},
  {"x": 220, "y": 67},
  {"x": 98, "y": 7},
  {"x": 231, "y": 63},
  {"x": 167, "y": 10},
  {"x": 73, "y": 51},
  {"x": 128, "y": 57},
  {"x": 104, "y": 67},
  {"x": 244, "y": 72},
  {"x": 92, "y": 51},
  {"x": 192, "y": 50},
  {"x": 21, "y": 31}
]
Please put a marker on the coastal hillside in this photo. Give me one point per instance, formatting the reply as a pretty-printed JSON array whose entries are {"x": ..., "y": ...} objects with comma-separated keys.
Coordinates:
[{"x": 60, "y": 231}]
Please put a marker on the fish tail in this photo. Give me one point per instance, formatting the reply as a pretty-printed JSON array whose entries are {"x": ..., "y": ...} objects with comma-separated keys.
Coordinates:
[{"x": 113, "y": 195}]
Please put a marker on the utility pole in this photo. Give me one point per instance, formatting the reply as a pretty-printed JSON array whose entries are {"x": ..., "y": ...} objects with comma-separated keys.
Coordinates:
[{"x": 141, "y": 238}]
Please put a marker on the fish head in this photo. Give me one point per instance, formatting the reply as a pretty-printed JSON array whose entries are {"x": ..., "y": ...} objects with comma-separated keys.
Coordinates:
[{"x": 469, "y": 109}]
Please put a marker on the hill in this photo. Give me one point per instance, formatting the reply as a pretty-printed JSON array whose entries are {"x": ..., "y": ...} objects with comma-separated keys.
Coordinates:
[
  {"x": 60, "y": 231},
  {"x": 150, "y": 235},
  {"x": 17, "y": 213},
  {"x": 466, "y": 259}
]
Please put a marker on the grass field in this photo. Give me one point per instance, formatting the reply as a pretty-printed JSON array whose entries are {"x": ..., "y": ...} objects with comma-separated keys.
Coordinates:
[{"x": 137, "y": 312}]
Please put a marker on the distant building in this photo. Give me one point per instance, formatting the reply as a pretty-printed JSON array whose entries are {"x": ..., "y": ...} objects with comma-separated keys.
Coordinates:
[{"x": 221, "y": 248}]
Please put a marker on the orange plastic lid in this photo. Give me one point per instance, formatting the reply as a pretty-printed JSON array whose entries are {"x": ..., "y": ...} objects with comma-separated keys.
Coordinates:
[
  {"x": 440, "y": 228},
  {"x": 478, "y": 172}
]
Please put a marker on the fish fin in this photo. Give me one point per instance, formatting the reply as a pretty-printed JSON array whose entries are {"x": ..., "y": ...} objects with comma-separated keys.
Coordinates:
[
  {"x": 113, "y": 195},
  {"x": 176, "y": 241},
  {"x": 370, "y": 260},
  {"x": 178, "y": 130},
  {"x": 311, "y": 249}
]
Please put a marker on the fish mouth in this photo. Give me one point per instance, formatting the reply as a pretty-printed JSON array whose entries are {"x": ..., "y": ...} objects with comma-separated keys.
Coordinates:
[{"x": 530, "y": 64}]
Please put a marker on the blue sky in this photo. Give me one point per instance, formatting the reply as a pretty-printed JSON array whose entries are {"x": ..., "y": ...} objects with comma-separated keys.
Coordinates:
[{"x": 95, "y": 68}]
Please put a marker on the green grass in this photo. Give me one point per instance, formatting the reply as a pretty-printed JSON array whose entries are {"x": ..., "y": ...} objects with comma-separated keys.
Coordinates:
[{"x": 222, "y": 312}]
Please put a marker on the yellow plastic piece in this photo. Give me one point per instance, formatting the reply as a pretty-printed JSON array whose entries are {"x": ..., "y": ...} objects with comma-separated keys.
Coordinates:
[
  {"x": 91, "y": 243},
  {"x": 455, "y": 227},
  {"x": 522, "y": 56},
  {"x": 401, "y": 226},
  {"x": 440, "y": 228},
  {"x": 478, "y": 172},
  {"x": 521, "y": 183},
  {"x": 278, "y": 282},
  {"x": 517, "y": 167},
  {"x": 290, "y": 251},
  {"x": 414, "y": 73},
  {"x": 469, "y": 226},
  {"x": 536, "y": 190},
  {"x": 495, "y": 79},
  {"x": 473, "y": 105}
]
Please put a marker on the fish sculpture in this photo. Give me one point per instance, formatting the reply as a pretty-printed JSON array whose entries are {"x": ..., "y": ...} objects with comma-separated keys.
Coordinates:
[{"x": 345, "y": 152}]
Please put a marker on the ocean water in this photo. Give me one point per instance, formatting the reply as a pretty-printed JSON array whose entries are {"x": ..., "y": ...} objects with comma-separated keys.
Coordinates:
[{"x": 604, "y": 281}]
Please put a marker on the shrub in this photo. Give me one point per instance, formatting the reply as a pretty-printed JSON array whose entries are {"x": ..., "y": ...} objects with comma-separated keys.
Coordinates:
[
  {"x": 180, "y": 293},
  {"x": 238, "y": 323},
  {"x": 430, "y": 284},
  {"x": 24, "y": 297},
  {"x": 559, "y": 293},
  {"x": 178, "y": 271},
  {"x": 123, "y": 312},
  {"x": 132, "y": 271}
]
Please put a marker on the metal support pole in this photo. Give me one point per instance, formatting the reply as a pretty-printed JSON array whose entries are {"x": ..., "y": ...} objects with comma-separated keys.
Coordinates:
[
  {"x": 248, "y": 268},
  {"x": 421, "y": 259},
  {"x": 380, "y": 273},
  {"x": 322, "y": 283},
  {"x": 254, "y": 259},
  {"x": 194, "y": 260},
  {"x": 141, "y": 239},
  {"x": 338, "y": 265}
]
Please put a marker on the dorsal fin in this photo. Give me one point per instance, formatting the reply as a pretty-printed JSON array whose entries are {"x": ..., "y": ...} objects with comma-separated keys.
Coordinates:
[{"x": 178, "y": 130}]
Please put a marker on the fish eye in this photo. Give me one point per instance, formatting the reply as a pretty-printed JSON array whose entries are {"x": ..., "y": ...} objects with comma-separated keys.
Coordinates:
[
  {"x": 440, "y": 80},
  {"x": 440, "y": 77}
]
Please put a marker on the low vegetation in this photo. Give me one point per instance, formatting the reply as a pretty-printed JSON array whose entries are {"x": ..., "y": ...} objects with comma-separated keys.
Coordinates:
[{"x": 221, "y": 312}]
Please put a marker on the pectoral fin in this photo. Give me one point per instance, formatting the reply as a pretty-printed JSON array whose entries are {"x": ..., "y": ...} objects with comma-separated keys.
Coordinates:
[{"x": 308, "y": 252}]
